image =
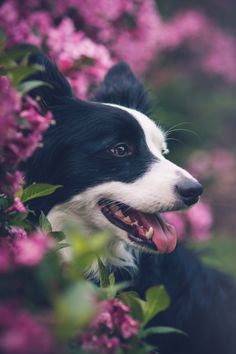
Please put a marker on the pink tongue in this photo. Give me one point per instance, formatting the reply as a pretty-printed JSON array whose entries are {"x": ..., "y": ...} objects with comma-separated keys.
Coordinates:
[{"x": 165, "y": 241}]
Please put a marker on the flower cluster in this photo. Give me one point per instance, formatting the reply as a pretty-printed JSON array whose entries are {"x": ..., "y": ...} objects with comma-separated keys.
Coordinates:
[
  {"x": 214, "y": 49},
  {"x": 20, "y": 249},
  {"x": 112, "y": 328},
  {"x": 21, "y": 129},
  {"x": 195, "y": 223},
  {"x": 217, "y": 167},
  {"x": 21, "y": 333},
  {"x": 85, "y": 44}
]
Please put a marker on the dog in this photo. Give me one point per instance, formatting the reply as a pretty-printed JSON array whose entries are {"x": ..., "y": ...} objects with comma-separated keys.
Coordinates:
[{"x": 109, "y": 156}]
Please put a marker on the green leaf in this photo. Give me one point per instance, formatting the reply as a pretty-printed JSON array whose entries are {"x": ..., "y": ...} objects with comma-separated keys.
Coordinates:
[
  {"x": 75, "y": 307},
  {"x": 37, "y": 190},
  {"x": 135, "y": 304},
  {"x": 103, "y": 274},
  {"x": 19, "y": 73},
  {"x": 157, "y": 300},
  {"x": 58, "y": 235},
  {"x": 27, "y": 86},
  {"x": 16, "y": 54},
  {"x": 61, "y": 245},
  {"x": 111, "y": 291},
  {"x": 112, "y": 279},
  {"x": 44, "y": 224},
  {"x": 160, "y": 330},
  {"x": 2, "y": 40}
]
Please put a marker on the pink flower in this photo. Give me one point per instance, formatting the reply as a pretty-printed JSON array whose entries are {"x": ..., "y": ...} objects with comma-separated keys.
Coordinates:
[
  {"x": 200, "y": 219},
  {"x": 195, "y": 223},
  {"x": 22, "y": 250},
  {"x": 129, "y": 327},
  {"x": 102, "y": 343},
  {"x": 17, "y": 206},
  {"x": 31, "y": 250},
  {"x": 21, "y": 333},
  {"x": 214, "y": 48},
  {"x": 6, "y": 254},
  {"x": 112, "y": 327},
  {"x": 178, "y": 220}
]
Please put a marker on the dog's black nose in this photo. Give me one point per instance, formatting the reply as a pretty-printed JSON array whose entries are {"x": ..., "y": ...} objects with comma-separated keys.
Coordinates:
[{"x": 189, "y": 191}]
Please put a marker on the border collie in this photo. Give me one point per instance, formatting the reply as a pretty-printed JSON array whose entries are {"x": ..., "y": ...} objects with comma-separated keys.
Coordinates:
[{"x": 109, "y": 157}]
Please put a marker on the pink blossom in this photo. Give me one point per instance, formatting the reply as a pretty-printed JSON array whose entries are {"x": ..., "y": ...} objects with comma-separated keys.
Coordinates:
[
  {"x": 179, "y": 222},
  {"x": 22, "y": 250},
  {"x": 31, "y": 250},
  {"x": 214, "y": 48},
  {"x": 200, "y": 219},
  {"x": 102, "y": 343},
  {"x": 6, "y": 254},
  {"x": 129, "y": 327},
  {"x": 15, "y": 145},
  {"x": 195, "y": 223},
  {"x": 112, "y": 327},
  {"x": 18, "y": 234},
  {"x": 21, "y": 333},
  {"x": 17, "y": 206}
]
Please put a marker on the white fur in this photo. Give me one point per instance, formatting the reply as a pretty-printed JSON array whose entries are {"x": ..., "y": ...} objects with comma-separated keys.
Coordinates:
[{"x": 152, "y": 192}]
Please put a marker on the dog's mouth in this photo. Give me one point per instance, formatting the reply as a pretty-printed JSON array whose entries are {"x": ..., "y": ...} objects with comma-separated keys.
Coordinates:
[{"x": 143, "y": 229}]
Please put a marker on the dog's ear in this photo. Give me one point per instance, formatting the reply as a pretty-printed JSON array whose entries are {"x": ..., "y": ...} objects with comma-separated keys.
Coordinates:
[
  {"x": 55, "y": 89},
  {"x": 121, "y": 86}
]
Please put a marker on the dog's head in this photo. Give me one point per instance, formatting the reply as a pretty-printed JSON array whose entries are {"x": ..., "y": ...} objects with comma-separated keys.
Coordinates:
[{"x": 109, "y": 156}]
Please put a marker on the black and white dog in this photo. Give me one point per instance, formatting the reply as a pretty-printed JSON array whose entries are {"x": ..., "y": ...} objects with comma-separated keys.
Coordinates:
[{"x": 109, "y": 157}]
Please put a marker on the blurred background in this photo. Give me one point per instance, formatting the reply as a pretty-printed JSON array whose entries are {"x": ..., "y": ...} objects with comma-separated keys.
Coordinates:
[
  {"x": 193, "y": 78},
  {"x": 185, "y": 51}
]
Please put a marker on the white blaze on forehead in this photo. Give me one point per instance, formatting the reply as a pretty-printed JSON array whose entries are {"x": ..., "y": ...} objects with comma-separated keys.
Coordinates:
[{"x": 155, "y": 137}]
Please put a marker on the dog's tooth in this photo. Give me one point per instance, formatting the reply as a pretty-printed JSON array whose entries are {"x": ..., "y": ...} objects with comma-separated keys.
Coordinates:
[
  {"x": 127, "y": 220},
  {"x": 115, "y": 207},
  {"x": 119, "y": 214},
  {"x": 149, "y": 234}
]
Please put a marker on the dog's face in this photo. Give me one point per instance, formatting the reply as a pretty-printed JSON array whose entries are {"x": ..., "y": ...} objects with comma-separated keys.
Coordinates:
[{"x": 109, "y": 157}]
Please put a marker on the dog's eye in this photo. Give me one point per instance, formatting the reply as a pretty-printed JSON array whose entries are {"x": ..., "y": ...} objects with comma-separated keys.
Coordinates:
[{"x": 121, "y": 150}]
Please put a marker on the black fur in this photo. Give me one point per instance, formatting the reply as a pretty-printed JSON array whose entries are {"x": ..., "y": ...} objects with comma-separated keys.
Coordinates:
[
  {"x": 82, "y": 136},
  {"x": 203, "y": 300}
]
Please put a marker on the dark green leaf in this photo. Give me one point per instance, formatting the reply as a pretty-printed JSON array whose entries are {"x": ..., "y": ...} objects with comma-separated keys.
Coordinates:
[
  {"x": 27, "y": 86},
  {"x": 160, "y": 330},
  {"x": 37, "y": 190},
  {"x": 19, "y": 73},
  {"x": 44, "y": 224},
  {"x": 157, "y": 300},
  {"x": 103, "y": 274},
  {"x": 58, "y": 235}
]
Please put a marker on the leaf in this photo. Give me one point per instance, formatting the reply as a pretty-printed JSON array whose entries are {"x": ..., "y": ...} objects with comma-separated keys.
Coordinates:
[
  {"x": 58, "y": 235},
  {"x": 44, "y": 224},
  {"x": 61, "y": 245},
  {"x": 160, "y": 330},
  {"x": 19, "y": 73},
  {"x": 112, "y": 279},
  {"x": 135, "y": 304},
  {"x": 27, "y": 86},
  {"x": 16, "y": 54},
  {"x": 37, "y": 190},
  {"x": 75, "y": 307},
  {"x": 103, "y": 274},
  {"x": 157, "y": 300},
  {"x": 111, "y": 291}
]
